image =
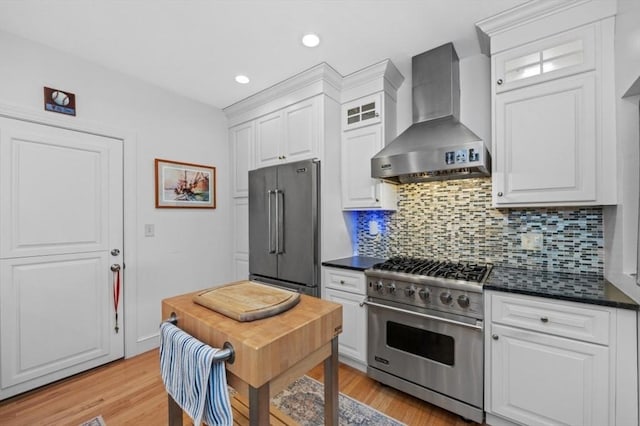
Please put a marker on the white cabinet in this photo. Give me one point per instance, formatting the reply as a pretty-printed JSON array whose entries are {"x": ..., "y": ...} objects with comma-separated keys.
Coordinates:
[
  {"x": 551, "y": 362},
  {"x": 546, "y": 143},
  {"x": 241, "y": 239},
  {"x": 554, "y": 112},
  {"x": 347, "y": 287},
  {"x": 368, "y": 123},
  {"x": 359, "y": 189},
  {"x": 288, "y": 135},
  {"x": 241, "y": 138},
  {"x": 545, "y": 380}
]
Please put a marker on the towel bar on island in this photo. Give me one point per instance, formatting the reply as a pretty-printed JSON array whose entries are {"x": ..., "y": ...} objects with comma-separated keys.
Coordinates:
[{"x": 227, "y": 353}]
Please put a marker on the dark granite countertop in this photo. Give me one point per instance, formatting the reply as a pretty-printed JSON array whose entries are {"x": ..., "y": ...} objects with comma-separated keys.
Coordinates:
[
  {"x": 592, "y": 289},
  {"x": 356, "y": 263}
]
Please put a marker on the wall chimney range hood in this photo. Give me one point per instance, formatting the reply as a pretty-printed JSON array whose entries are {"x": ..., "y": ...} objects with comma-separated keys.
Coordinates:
[{"x": 436, "y": 146}]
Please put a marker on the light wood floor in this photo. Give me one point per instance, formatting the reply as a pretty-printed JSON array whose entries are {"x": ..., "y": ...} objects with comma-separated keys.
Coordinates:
[{"x": 130, "y": 392}]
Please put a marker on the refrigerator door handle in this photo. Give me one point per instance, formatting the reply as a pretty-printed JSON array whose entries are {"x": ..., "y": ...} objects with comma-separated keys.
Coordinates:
[
  {"x": 281, "y": 227},
  {"x": 269, "y": 221},
  {"x": 279, "y": 224}
]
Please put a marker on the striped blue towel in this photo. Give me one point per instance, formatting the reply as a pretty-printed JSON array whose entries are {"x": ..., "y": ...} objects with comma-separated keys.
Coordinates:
[{"x": 198, "y": 386}]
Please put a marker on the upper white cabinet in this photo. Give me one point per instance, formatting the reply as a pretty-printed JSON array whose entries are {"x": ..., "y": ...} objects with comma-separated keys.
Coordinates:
[
  {"x": 554, "y": 138},
  {"x": 241, "y": 138},
  {"x": 288, "y": 135},
  {"x": 569, "y": 53},
  {"x": 368, "y": 123},
  {"x": 362, "y": 112}
]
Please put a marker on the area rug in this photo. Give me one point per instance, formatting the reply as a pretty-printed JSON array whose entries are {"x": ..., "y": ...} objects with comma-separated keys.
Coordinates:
[
  {"x": 303, "y": 401},
  {"x": 96, "y": 421}
]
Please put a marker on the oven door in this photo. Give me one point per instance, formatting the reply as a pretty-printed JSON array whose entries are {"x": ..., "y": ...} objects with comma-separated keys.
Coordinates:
[{"x": 443, "y": 354}]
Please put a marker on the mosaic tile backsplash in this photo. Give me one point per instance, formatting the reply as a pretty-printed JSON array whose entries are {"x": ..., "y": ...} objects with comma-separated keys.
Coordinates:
[{"x": 454, "y": 220}]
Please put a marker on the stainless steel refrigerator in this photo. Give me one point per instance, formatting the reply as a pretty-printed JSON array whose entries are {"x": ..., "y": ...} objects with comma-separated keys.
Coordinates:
[{"x": 284, "y": 239}]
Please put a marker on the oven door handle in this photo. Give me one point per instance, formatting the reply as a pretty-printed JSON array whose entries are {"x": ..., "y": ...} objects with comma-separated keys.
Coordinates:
[{"x": 419, "y": 314}]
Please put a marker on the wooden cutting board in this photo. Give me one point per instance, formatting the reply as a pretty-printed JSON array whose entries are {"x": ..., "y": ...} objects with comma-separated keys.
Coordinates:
[{"x": 247, "y": 300}]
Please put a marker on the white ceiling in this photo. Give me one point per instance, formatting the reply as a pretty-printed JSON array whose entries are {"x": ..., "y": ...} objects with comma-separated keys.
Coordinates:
[{"x": 196, "y": 47}]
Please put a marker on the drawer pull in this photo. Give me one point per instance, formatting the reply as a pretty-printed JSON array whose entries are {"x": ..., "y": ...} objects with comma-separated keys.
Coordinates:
[
  {"x": 544, "y": 319},
  {"x": 341, "y": 281},
  {"x": 494, "y": 337}
]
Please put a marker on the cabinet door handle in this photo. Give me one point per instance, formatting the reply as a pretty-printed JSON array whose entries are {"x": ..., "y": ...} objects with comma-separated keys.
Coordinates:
[
  {"x": 494, "y": 337},
  {"x": 544, "y": 319},
  {"x": 341, "y": 281},
  {"x": 500, "y": 194},
  {"x": 500, "y": 82}
]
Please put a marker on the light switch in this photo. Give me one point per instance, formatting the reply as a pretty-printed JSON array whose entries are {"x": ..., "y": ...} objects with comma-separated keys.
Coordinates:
[{"x": 149, "y": 230}]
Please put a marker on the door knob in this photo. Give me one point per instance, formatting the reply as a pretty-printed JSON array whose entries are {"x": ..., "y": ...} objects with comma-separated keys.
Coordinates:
[{"x": 115, "y": 267}]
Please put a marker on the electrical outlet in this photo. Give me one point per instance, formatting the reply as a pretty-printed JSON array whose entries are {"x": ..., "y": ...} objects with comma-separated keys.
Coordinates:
[
  {"x": 373, "y": 228},
  {"x": 531, "y": 241},
  {"x": 149, "y": 230}
]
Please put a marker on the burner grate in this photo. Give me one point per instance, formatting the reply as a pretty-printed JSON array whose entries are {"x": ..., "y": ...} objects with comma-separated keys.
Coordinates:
[{"x": 452, "y": 270}]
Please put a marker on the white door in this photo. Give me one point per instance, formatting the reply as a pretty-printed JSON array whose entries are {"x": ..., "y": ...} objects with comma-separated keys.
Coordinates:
[{"x": 60, "y": 218}]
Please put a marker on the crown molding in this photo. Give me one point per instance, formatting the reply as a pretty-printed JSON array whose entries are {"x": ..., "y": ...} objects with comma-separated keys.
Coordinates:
[
  {"x": 321, "y": 78},
  {"x": 567, "y": 14},
  {"x": 382, "y": 76}
]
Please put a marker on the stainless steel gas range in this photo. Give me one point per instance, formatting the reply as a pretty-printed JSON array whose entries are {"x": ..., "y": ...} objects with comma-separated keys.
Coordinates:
[{"x": 425, "y": 323}]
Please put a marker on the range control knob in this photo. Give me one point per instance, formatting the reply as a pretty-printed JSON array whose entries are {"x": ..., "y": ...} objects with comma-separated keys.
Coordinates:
[
  {"x": 410, "y": 291},
  {"x": 379, "y": 286},
  {"x": 392, "y": 288},
  {"x": 463, "y": 301},
  {"x": 424, "y": 294},
  {"x": 445, "y": 297}
]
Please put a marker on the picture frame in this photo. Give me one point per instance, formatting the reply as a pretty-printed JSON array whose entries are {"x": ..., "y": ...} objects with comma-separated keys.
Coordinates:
[{"x": 184, "y": 185}]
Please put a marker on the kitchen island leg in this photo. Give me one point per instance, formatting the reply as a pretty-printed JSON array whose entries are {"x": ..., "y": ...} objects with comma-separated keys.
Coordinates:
[
  {"x": 175, "y": 412},
  {"x": 331, "y": 385},
  {"x": 259, "y": 405}
]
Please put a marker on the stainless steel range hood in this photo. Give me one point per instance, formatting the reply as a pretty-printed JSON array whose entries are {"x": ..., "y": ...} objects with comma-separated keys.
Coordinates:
[{"x": 436, "y": 146}]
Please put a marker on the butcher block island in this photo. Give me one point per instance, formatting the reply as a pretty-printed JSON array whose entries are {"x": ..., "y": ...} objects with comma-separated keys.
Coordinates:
[{"x": 270, "y": 352}]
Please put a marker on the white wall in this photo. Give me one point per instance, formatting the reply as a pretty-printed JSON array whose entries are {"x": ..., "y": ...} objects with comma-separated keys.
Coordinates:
[
  {"x": 191, "y": 249},
  {"x": 621, "y": 222}
]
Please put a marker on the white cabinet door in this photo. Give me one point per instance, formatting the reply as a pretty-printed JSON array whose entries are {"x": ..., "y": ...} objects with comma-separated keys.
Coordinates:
[
  {"x": 538, "y": 379},
  {"x": 288, "y": 135},
  {"x": 302, "y": 132},
  {"x": 359, "y": 189},
  {"x": 241, "y": 239},
  {"x": 546, "y": 143},
  {"x": 269, "y": 139},
  {"x": 241, "y": 138},
  {"x": 352, "y": 342},
  {"x": 60, "y": 217},
  {"x": 571, "y": 52},
  {"x": 362, "y": 112}
]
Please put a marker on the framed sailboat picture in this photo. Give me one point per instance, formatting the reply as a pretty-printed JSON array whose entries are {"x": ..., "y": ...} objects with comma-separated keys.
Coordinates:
[{"x": 185, "y": 185}]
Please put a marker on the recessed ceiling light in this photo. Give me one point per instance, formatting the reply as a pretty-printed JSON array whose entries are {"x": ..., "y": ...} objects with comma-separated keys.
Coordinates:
[
  {"x": 242, "y": 79},
  {"x": 311, "y": 40}
]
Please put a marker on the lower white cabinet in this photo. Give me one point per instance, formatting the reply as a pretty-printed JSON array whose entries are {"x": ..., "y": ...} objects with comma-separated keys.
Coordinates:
[
  {"x": 347, "y": 287},
  {"x": 551, "y": 362}
]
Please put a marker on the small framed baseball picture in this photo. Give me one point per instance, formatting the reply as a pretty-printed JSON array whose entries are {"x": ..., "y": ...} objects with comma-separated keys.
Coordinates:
[{"x": 56, "y": 100}]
